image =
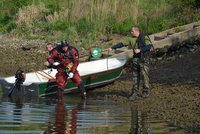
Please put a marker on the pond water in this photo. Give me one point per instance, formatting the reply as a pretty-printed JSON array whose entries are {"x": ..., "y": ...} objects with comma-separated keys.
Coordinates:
[{"x": 73, "y": 115}]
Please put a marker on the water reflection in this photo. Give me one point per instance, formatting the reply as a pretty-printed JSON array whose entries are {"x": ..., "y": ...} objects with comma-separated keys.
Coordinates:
[
  {"x": 73, "y": 115},
  {"x": 59, "y": 125},
  {"x": 63, "y": 120},
  {"x": 146, "y": 123},
  {"x": 139, "y": 124},
  {"x": 17, "y": 111}
]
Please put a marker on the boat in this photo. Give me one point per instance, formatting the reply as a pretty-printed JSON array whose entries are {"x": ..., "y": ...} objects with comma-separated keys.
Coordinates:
[{"x": 94, "y": 73}]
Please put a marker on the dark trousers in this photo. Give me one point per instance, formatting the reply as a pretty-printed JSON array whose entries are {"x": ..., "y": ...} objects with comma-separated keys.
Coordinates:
[{"x": 140, "y": 73}]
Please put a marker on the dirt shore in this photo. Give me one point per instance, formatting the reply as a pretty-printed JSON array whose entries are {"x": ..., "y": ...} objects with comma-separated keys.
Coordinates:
[
  {"x": 175, "y": 81},
  {"x": 175, "y": 91},
  {"x": 20, "y": 53}
]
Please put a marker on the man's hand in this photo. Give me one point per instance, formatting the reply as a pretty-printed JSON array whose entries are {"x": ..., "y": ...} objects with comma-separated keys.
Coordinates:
[
  {"x": 71, "y": 75},
  {"x": 110, "y": 49},
  {"x": 56, "y": 63},
  {"x": 46, "y": 63},
  {"x": 137, "y": 51}
]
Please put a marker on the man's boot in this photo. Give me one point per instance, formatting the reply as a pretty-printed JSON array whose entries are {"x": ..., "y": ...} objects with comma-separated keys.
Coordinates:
[
  {"x": 82, "y": 89},
  {"x": 133, "y": 94},
  {"x": 145, "y": 92}
]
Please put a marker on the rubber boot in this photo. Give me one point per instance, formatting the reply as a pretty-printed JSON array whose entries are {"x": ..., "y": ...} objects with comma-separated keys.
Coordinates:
[
  {"x": 82, "y": 89},
  {"x": 145, "y": 93},
  {"x": 133, "y": 94}
]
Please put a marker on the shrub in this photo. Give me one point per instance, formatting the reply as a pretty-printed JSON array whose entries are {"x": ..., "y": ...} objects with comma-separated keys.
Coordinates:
[
  {"x": 88, "y": 20},
  {"x": 29, "y": 14}
]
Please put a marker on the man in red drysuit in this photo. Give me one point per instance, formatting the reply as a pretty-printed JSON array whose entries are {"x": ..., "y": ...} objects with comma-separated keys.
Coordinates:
[{"x": 68, "y": 59}]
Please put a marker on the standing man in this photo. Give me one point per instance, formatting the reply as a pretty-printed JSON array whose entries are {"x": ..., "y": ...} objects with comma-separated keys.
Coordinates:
[
  {"x": 141, "y": 46},
  {"x": 68, "y": 59}
]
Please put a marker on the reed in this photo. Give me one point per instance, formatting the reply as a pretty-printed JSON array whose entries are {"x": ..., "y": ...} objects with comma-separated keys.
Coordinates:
[{"x": 84, "y": 20}]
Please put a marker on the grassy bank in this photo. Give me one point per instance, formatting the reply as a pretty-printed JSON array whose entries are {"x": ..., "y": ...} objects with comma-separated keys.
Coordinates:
[{"x": 84, "y": 22}]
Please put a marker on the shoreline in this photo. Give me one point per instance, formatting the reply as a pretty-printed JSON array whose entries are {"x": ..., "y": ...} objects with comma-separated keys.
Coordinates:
[
  {"x": 174, "y": 97},
  {"x": 174, "y": 77}
]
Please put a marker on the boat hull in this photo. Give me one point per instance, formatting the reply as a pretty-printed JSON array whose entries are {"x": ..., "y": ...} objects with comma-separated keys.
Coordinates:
[{"x": 90, "y": 81}]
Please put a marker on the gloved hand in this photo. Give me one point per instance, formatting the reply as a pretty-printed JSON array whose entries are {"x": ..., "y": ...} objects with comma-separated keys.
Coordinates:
[
  {"x": 56, "y": 63},
  {"x": 71, "y": 75}
]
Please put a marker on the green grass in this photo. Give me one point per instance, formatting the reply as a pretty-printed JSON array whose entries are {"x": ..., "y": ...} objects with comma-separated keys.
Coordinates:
[{"x": 86, "y": 21}]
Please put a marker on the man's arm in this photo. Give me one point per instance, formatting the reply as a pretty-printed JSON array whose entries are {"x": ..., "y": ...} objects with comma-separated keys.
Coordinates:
[
  {"x": 118, "y": 45},
  {"x": 148, "y": 44},
  {"x": 128, "y": 41},
  {"x": 145, "y": 40},
  {"x": 50, "y": 60},
  {"x": 146, "y": 48}
]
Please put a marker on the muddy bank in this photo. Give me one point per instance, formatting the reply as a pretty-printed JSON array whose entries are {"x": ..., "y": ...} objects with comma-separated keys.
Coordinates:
[
  {"x": 174, "y": 75},
  {"x": 175, "y": 90},
  {"x": 20, "y": 53}
]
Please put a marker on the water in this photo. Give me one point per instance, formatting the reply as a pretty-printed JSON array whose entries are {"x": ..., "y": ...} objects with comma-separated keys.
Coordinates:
[{"x": 73, "y": 115}]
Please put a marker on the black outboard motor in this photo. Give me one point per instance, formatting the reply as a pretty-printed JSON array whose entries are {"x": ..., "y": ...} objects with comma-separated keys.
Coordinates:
[{"x": 20, "y": 78}]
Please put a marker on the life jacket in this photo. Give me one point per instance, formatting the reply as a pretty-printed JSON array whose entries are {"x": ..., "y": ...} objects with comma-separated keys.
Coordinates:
[
  {"x": 140, "y": 43},
  {"x": 70, "y": 51},
  {"x": 70, "y": 55}
]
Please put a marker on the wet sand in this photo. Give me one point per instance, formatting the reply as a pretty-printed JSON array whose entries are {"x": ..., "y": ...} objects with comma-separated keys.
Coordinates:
[{"x": 175, "y": 82}]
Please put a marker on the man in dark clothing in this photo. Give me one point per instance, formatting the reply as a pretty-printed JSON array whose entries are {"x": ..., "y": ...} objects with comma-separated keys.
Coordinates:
[
  {"x": 141, "y": 46},
  {"x": 68, "y": 59}
]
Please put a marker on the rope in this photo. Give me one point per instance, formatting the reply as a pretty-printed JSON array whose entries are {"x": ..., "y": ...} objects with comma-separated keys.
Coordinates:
[
  {"x": 42, "y": 73},
  {"x": 47, "y": 74}
]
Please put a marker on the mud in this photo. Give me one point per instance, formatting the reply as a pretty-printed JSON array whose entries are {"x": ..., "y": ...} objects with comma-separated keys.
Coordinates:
[
  {"x": 175, "y": 91},
  {"x": 20, "y": 53},
  {"x": 174, "y": 76}
]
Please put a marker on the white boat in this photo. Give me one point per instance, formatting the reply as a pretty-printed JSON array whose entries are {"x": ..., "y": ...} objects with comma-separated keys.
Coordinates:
[{"x": 94, "y": 73}]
